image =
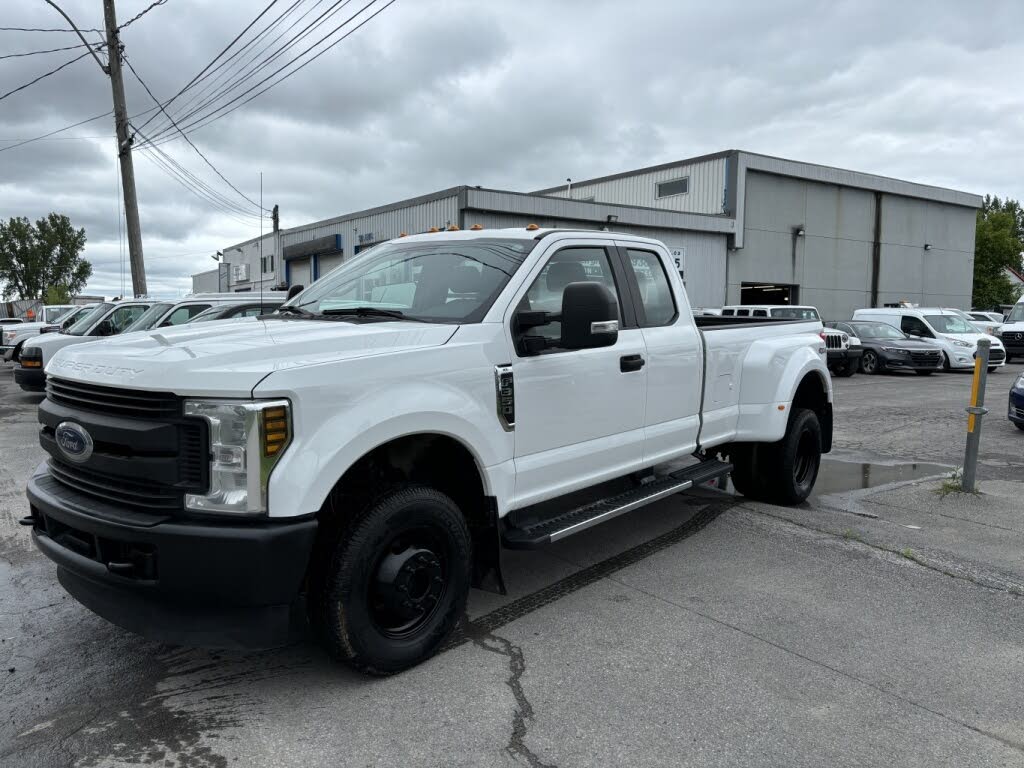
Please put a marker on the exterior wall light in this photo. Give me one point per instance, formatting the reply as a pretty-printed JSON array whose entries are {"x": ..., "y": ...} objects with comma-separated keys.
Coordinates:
[
  {"x": 927, "y": 246},
  {"x": 611, "y": 218},
  {"x": 798, "y": 231}
]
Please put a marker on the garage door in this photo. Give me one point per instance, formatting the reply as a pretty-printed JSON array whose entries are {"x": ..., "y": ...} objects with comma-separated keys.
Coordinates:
[
  {"x": 329, "y": 262},
  {"x": 299, "y": 273}
]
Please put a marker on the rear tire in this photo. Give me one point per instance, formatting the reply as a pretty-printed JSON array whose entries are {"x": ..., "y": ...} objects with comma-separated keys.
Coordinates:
[
  {"x": 791, "y": 465},
  {"x": 394, "y": 582}
]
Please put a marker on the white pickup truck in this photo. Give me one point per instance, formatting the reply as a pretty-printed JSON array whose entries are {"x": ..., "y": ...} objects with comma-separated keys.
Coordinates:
[{"x": 362, "y": 456}]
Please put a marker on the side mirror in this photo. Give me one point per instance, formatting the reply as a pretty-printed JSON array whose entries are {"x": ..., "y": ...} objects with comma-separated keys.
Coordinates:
[
  {"x": 294, "y": 291},
  {"x": 590, "y": 316}
]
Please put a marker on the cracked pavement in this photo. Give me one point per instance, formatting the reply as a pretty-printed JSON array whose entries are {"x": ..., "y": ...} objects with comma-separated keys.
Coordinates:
[{"x": 873, "y": 626}]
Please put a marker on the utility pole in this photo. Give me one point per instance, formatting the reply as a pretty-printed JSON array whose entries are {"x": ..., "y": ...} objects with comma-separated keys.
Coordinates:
[{"x": 124, "y": 152}]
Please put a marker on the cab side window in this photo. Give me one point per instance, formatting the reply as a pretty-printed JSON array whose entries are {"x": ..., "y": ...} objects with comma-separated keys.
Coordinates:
[
  {"x": 569, "y": 265},
  {"x": 915, "y": 327},
  {"x": 659, "y": 308},
  {"x": 184, "y": 314}
]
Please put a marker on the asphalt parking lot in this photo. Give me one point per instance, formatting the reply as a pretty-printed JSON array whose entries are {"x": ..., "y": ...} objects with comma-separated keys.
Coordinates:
[{"x": 879, "y": 624}]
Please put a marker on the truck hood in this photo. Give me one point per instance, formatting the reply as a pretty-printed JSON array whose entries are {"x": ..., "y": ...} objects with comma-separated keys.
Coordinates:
[{"x": 229, "y": 359}]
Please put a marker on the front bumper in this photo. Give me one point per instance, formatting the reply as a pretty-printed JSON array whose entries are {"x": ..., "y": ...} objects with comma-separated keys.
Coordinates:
[
  {"x": 30, "y": 379},
  {"x": 893, "y": 361},
  {"x": 1015, "y": 412},
  {"x": 173, "y": 579}
]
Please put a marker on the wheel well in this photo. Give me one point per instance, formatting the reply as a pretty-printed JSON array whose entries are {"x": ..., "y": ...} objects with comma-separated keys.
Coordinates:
[
  {"x": 813, "y": 394},
  {"x": 438, "y": 461}
]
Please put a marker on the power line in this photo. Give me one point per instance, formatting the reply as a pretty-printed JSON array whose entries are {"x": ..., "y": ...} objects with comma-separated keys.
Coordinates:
[
  {"x": 51, "y": 50},
  {"x": 138, "y": 16},
  {"x": 198, "y": 151},
  {"x": 244, "y": 61},
  {"x": 215, "y": 58},
  {"x": 52, "y": 29},
  {"x": 47, "y": 74},
  {"x": 213, "y": 116}
]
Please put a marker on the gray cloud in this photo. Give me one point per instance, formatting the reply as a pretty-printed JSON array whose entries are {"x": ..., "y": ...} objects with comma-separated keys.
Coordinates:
[{"x": 517, "y": 95}]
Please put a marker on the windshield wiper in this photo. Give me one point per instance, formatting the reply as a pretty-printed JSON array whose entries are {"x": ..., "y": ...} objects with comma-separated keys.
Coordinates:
[
  {"x": 293, "y": 309},
  {"x": 368, "y": 312}
]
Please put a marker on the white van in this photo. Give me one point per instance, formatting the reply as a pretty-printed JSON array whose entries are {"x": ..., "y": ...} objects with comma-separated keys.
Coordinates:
[
  {"x": 946, "y": 328},
  {"x": 1012, "y": 331}
]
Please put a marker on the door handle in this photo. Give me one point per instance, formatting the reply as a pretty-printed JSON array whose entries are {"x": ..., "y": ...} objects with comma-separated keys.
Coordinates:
[{"x": 629, "y": 363}]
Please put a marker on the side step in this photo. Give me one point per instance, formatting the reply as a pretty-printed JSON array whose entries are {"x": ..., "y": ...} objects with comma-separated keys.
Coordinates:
[{"x": 543, "y": 532}]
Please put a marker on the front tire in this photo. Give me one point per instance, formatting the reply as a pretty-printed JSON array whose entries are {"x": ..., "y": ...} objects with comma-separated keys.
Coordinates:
[
  {"x": 924, "y": 373},
  {"x": 395, "y": 581},
  {"x": 993, "y": 368},
  {"x": 869, "y": 363},
  {"x": 1018, "y": 425},
  {"x": 847, "y": 369},
  {"x": 945, "y": 363}
]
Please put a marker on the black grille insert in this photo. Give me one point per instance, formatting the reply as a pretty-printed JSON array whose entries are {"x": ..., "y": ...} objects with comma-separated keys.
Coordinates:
[
  {"x": 112, "y": 400},
  {"x": 142, "y": 496}
]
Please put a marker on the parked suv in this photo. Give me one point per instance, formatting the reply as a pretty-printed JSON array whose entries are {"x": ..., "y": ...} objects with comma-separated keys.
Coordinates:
[
  {"x": 947, "y": 329},
  {"x": 53, "y": 319},
  {"x": 887, "y": 348},
  {"x": 842, "y": 352},
  {"x": 1012, "y": 332},
  {"x": 167, "y": 313}
]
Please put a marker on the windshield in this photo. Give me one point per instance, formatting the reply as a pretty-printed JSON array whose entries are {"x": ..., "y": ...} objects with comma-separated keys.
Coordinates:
[
  {"x": 1016, "y": 314},
  {"x": 53, "y": 314},
  {"x": 149, "y": 318},
  {"x": 84, "y": 323},
  {"x": 796, "y": 313},
  {"x": 950, "y": 324},
  {"x": 443, "y": 282},
  {"x": 877, "y": 331}
]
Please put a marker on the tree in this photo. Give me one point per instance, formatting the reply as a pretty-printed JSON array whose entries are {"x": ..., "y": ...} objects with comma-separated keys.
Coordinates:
[
  {"x": 45, "y": 255},
  {"x": 56, "y": 294},
  {"x": 998, "y": 244}
]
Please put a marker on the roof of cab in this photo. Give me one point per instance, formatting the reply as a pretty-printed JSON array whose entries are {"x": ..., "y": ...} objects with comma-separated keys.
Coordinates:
[{"x": 518, "y": 233}]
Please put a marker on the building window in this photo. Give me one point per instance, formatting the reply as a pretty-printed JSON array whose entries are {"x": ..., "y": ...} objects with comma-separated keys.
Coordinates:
[
  {"x": 674, "y": 187},
  {"x": 263, "y": 265}
]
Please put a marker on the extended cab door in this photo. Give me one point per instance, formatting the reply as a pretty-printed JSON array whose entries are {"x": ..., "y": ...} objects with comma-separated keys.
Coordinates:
[
  {"x": 674, "y": 360},
  {"x": 579, "y": 414}
]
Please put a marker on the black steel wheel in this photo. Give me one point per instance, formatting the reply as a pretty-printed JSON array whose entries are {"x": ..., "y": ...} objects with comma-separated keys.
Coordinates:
[
  {"x": 791, "y": 465},
  {"x": 869, "y": 363},
  {"x": 395, "y": 582}
]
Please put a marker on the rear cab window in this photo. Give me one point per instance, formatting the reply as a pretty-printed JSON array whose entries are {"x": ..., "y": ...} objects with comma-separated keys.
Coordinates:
[{"x": 655, "y": 298}]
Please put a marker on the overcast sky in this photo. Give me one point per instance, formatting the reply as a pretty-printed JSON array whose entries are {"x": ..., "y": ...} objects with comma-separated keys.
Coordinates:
[{"x": 513, "y": 94}]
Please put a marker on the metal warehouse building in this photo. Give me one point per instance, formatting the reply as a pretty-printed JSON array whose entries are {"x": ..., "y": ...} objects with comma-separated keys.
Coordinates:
[{"x": 744, "y": 228}]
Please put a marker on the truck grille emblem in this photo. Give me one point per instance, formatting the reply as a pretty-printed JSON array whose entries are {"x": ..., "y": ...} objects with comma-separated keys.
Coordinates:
[{"x": 74, "y": 442}]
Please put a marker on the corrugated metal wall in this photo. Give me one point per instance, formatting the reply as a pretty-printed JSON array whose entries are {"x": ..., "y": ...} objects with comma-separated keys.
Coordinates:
[
  {"x": 831, "y": 262},
  {"x": 706, "y": 188}
]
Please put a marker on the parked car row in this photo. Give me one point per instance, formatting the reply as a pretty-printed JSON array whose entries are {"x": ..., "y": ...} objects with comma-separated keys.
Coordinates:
[{"x": 31, "y": 350}]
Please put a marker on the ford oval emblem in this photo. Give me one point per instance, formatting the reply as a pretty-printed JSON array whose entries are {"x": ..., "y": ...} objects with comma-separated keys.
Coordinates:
[{"x": 74, "y": 442}]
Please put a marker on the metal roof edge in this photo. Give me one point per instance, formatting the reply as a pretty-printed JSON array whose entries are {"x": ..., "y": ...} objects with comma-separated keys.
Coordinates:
[
  {"x": 843, "y": 177},
  {"x": 638, "y": 171}
]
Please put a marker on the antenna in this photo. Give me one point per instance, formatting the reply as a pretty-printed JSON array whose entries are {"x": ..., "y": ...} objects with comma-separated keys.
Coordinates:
[{"x": 261, "y": 241}]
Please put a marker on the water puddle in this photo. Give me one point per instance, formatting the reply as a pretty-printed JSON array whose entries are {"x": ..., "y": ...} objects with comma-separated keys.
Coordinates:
[{"x": 838, "y": 476}]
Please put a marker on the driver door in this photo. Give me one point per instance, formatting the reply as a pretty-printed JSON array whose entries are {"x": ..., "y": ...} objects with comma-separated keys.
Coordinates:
[{"x": 579, "y": 413}]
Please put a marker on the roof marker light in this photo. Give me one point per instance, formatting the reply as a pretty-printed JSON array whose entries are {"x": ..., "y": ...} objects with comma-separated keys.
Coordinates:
[
  {"x": 433, "y": 229},
  {"x": 531, "y": 227},
  {"x": 453, "y": 228},
  {"x": 477, "y": 227}
]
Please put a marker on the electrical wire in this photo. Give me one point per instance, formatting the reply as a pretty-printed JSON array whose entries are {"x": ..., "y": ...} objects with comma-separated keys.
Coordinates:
[
  {"x": 52, "y": 29},
  {"x": 228, "y": 70},
  {"x": 213, "y": 116},
  {"x": 138, "y": 16},
  {"x": 191, "y": 107},
  {"x": 47, "y": 74},
  {"x": 187, "y": 139},
  {"x": 215, "y": 58},
  {"x": 51, "y": 50}
]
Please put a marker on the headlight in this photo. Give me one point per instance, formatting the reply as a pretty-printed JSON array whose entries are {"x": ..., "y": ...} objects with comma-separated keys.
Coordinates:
[
  {"x": 961, "y": 343},
  {"x": 896, "y": 350},
  {"x": 8, "y": 337},
  {"x": 246, "y": 441},
  {"x": 1019, "y": 383}
]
